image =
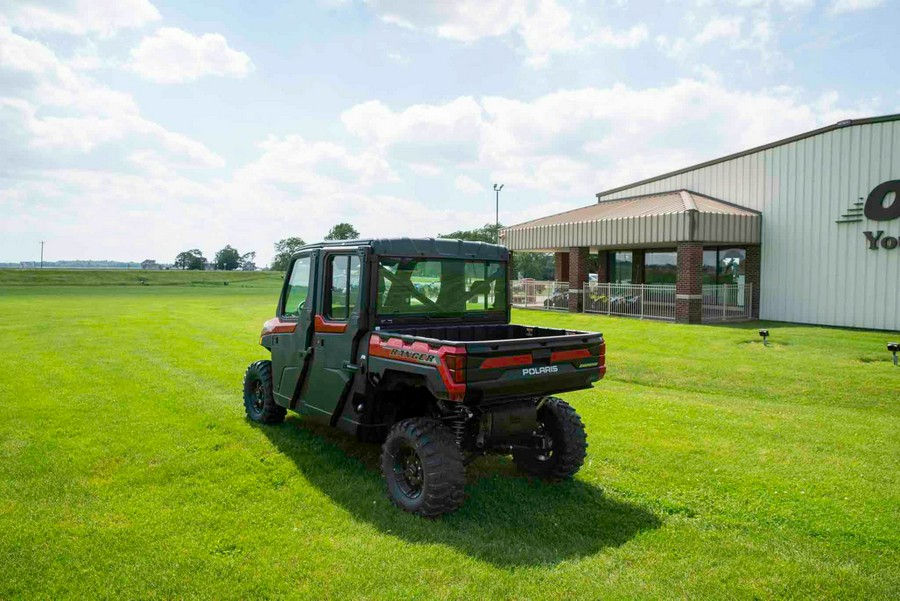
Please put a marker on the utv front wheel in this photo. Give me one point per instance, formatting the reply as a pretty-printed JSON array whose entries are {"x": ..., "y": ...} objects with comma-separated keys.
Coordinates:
[
  {"x": 258, "y": 400},
  {"x": 423, "y": 467},
  {"x": 567, "y": 448}
]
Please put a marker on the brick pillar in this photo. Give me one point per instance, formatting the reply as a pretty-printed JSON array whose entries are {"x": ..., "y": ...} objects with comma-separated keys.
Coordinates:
[
  {"x": 752, "y": 275},
  {"x": 637, "y": 267},
  {"x": 578, "y": 276},
  {"x": 562, "y": 267},
  {"x": 689, "y": 283},
  {"x": 603, "y": 267}
]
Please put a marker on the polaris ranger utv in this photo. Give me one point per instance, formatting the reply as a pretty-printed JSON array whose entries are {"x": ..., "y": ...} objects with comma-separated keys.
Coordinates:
[{"x": 407, "y": 342}]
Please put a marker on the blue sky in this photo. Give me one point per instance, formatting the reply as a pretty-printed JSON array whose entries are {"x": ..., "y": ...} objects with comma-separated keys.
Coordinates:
[{"x": 140, "y": 128}]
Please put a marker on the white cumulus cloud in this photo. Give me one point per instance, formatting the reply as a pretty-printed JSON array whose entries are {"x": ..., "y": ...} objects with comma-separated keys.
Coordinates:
[
  {"x": 467, "y": 185},
  {"x": 544, "y": 27},
  {"x": 848, "y": 6},
  {"x": 80, "y": 17},
  {"x": 173, "y": 55}
]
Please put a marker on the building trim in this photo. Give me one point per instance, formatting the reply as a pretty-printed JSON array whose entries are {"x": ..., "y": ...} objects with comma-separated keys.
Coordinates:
[{"x": 743, "y": 153}]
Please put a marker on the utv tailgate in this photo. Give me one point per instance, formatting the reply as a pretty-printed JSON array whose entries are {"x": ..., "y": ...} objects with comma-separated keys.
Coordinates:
[
  {"x": 534, "y": 366},
  {"x": 508, "y": 361}
]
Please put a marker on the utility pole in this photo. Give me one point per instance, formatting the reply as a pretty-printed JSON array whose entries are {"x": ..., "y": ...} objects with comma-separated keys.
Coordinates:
[
  {"x": 42, "y": 254},
  {"x": 497, "y": 189}
]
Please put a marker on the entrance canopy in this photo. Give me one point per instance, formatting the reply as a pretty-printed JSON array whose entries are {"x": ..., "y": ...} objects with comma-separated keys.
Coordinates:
[{"x": 650, "y": 221}]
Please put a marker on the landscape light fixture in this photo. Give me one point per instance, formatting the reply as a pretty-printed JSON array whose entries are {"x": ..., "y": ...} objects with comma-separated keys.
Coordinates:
[
  {"x": 497, "y": 188},
  {"x": 765, "y": 337},
  {"x": 894, "y": 347}
]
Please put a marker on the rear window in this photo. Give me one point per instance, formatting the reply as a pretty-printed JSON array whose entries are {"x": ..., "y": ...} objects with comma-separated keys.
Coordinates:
[{"x": 440, "y": 287}]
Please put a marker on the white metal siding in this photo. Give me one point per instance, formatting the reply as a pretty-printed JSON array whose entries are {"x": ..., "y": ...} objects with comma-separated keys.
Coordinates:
[{"x": 813, "y": 269}]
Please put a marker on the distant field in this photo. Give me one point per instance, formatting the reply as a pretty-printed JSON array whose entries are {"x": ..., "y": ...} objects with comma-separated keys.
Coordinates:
[
  {"x": 134, "y": 277},
  {"x": 717, "y": 468}
]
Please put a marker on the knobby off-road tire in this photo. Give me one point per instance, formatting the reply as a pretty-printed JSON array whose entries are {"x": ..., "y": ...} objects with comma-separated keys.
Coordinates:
[
  {"x": 566, "y": 456},
  {"x": 258, "y": 400},
  {"x": 423, "y": 467}
]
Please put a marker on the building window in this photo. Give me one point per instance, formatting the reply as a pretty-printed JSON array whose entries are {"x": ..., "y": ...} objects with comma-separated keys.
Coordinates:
[
  {"x": 660, "y": 267},
  {"x": 724, "y": 265},
  {"x": 620, "y": 267}
]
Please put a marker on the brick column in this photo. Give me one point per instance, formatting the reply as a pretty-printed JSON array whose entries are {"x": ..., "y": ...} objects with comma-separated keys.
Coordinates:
[
  {"x": 689, "y": 283},
  {"x": 637, "y": 267},
  {"x": 752, "y": 275},
  {"x": 578, "y": 276},
  {"x": 602, "y": 267},
  {"x": 562, "y": 267}
]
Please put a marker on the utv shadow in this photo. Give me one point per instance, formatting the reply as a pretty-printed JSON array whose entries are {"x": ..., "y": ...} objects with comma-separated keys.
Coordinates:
[{"x": 507, "y": 520}]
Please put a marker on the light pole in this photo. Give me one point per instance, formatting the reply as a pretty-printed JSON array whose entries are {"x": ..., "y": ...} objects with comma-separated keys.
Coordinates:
[
  {"x": 497, "y": 189},
  {"x": 42, "y": 254}
]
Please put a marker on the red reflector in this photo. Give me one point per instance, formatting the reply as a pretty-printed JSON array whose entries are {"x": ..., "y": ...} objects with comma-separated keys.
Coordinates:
[
  {"x": 511, "y": 361},
  {"x": 581, "y": 353},
  {"x": 456, "y": 365}
]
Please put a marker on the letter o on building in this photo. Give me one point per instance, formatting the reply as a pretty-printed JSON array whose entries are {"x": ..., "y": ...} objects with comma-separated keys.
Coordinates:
[
  {"x": 875, "y": 209},
  {"x": 889, "y": 242}
]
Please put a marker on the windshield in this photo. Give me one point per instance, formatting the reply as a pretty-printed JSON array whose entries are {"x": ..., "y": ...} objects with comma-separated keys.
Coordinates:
[{"x": 440, "y": 287}]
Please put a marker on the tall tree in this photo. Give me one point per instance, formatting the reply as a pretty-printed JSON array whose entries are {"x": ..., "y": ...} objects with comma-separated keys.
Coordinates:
[
  {"x": 190, "y": 259},
  {"x": 488, "y": 233},
  {"x": 342, "y": 231},
  {"x": 538, "y": 266},
  {"x": 284, "y": 249},
  {"x": 248, "y": 261},
  {"x": 228, "y": 258}
]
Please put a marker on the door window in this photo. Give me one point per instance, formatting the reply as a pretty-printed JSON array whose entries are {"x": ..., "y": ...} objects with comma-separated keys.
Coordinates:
[
  {"x": 298, "y": 288},
  {"x": 342, "y": 291}
]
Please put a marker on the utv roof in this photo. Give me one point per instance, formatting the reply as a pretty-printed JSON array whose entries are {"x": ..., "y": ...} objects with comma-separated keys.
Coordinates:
[{"x": 423, "y": 247}]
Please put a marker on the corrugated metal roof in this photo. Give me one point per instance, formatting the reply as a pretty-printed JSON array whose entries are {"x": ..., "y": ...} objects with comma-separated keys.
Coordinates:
[{"x": 652, "y": 219}]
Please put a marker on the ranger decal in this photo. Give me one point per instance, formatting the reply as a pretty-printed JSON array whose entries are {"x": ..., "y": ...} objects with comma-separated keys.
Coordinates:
[{"x": 402, "y": 353}]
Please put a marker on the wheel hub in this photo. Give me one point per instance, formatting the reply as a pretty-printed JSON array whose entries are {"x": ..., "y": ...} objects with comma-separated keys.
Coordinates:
[
  {"x": 259, "y": 400},
  {"x": 409, "y": 472}
]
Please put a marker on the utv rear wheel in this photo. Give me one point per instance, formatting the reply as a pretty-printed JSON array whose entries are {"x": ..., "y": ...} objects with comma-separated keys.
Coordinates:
[
  {"x": 423, "y": 467},
  {"x": 258, "y": 400},
  {"x": 565, "y": 433}
]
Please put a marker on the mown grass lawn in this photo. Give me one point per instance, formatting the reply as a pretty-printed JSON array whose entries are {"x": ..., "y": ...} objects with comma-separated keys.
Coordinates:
[{"x": 716, "y": 468}]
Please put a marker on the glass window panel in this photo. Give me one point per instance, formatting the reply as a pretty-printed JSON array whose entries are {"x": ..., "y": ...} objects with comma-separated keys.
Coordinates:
[
  {"x": 620, "y": 268},
  {"x": 732, "y": 262},
  {"x": 660, "y": 267},
  {"x": 298, "y": 288},
  {"x": 440, "y": 286},
  {"x": 710, "y": 266}
]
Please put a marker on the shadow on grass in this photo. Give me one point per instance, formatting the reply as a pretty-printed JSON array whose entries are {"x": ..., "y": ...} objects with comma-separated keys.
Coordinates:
[{"x": 507, "y": 520}]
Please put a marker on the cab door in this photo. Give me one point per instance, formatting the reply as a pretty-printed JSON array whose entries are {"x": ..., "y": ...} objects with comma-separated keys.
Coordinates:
[
  {"x": 290, "y": 349},
  {"x": 335, "y": 330}
]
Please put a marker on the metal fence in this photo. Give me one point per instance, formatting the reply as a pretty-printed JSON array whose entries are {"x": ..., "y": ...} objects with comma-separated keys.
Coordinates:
[
  {"x": 727, "y": 302},
  {"x": 534, "y": 294},
  {"x": 721, "y": 302},
  {"x": 646, "y": 301}
]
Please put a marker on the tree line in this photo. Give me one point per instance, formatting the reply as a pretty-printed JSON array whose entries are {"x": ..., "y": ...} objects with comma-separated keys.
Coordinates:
[
  {"x": 227, "y": 259},
  {"x": 539, "y": 266}
]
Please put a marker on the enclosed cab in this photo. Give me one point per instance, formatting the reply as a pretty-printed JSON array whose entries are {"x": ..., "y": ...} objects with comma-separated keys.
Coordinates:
[{"x": 408, "y": 342}]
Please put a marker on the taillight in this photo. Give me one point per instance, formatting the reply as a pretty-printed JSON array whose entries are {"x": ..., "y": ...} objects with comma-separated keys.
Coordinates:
[{"x": 456, "y": 365}]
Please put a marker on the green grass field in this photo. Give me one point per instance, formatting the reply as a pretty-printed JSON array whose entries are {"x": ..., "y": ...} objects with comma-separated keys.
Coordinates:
[{"x": 716, "y": 468}]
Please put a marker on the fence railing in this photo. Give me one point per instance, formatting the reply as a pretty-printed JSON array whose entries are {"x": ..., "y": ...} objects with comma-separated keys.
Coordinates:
[
  {"x": 646, "y": 301},
  {"x": 534, "y": 294},
  {"x": 727, "y": 302},
  {"x": 720, "y": 302}
]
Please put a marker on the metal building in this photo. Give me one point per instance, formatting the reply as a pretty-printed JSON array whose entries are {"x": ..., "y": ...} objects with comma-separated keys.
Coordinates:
[{"x": 813, "y": 221}]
